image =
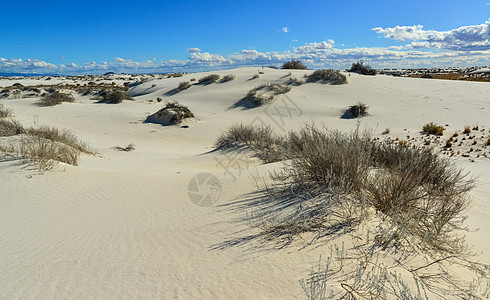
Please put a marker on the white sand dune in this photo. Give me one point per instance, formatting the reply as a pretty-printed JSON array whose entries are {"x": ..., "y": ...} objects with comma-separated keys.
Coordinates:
[{"x": 122, "y": 225}]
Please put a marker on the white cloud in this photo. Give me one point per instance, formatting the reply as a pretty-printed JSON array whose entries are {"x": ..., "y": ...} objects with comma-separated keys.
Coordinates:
[
  {"x": 466, "y": 38},
  {"x": 285, "y": 30},
  {"x": 194, "y": 50}
]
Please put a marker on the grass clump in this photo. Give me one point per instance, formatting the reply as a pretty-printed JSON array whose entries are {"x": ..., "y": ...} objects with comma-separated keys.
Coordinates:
[
  {"x": 10, "y": 127},
  {"x": 432, "y": 128},
  {"x": 130, "y": 147},
  {"x": 361, "y": 68},
  {"x": 208, "y": 79},
  {"x": 5, "y": 112},
  {"x": 327, "y": 76},
  {"x": 295, "y": 81},
  {"x": 227, "y": 78},
  {"x": 269, "y": 146},
  {"x": 64, "y": 136},
  {"x": 266, "y": 93},
  {"x": 358, "y": 110},
  {"x": 56, "y": 98},
  {"x": 184, "y": 85},
  {"x": 115, "y": 97},
  {"x": 294, "y": 64}
]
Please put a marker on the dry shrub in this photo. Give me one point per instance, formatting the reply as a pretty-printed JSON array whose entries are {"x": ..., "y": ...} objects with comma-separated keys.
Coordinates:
[
  {"x": 361, "y": 68},
  {"x": 56, "y": 98},
  {"x": 295, "y": 81},
  {"x": 208, "y": 79},
  {"x": 294, "y": 64},
  {"x": 422, "y": 194},
  {"x": 172, "y": 114},
  {"x": 130, "y": 147},
  {"x": 327, "y": 76},
  {"x": 409, "y": 201},
  {"x": 46, "y": 153},
  {"x": 227, "y": 78},
  {"x": 115, "y": 97},
  {"x": 467, "y": 130},
  {"x": 358, "y": 110},
  {"x": 5, "y": 112},
  {"x": 266, "y": 93},
  {"x": 65, "y": 137},
  {"x": 270, "y": 147},
  {"x": 184, "y": 85},
  {"x": 10, "y": 127},
  {"x": 432, "y": 128}
]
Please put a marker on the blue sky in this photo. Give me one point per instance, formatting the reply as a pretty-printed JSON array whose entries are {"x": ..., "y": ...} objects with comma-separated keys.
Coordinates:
[{"x": 92, "y": 37}]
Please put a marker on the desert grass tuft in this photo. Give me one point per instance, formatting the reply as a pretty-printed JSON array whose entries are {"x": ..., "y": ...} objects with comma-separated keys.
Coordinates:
[
  {"x": 56, "y": 98},
  {"x": 184, "y": 85},
  {"x": 10, "y": 127},
  {"x": 208, "y": 79},
  {"x": 266, "y": 93},
  {"x": 115, "y": 97},
  {"x": 327, "y": 76},
  {"x": 227, "y": 78},
  {"x": 65, "y": 137},
  {"x": 5, "y": 112},
  {"x": 357, "y": 110}
]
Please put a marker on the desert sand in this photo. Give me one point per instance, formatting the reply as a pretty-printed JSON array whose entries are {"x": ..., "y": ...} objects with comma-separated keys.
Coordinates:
[{"x": 123, "y": 225}]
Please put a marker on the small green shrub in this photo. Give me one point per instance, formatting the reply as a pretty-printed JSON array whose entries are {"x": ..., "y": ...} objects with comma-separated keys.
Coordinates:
[
  {"x": 432, "y": 128},
  {"x": 209, "y": 79},
  {"x": 294, "y": 64},
  {"x": 327, "y": 76},
  {"x": 56, "y": 98}
]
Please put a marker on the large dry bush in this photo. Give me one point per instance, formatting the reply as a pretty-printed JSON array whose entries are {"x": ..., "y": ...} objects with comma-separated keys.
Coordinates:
[
  {"x": 361, "y": 68},
  {"x": 56, "y": 98},
  {"x": 405, "y": 204},
  {"x": 422, "y": 194},
  {"x": 115, "y": 97},
  {"x": 266, "y": 93},
  {"x": 294, "y": 64},
  {"x": 327, "y": 76}
]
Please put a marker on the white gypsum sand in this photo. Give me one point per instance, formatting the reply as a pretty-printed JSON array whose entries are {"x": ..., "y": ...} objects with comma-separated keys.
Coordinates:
[{"x": 122, "y": 223}]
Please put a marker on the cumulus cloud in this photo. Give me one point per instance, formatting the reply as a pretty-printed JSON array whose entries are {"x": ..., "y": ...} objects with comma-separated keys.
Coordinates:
[
  {"x": 194, "y": 50},
  {"x": 285, "y": 30},
  {"x": 466, "y": 38}
]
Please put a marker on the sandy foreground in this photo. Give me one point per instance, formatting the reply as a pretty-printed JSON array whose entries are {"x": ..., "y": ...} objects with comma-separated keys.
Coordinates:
[{"x": 123, "y": 224}]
